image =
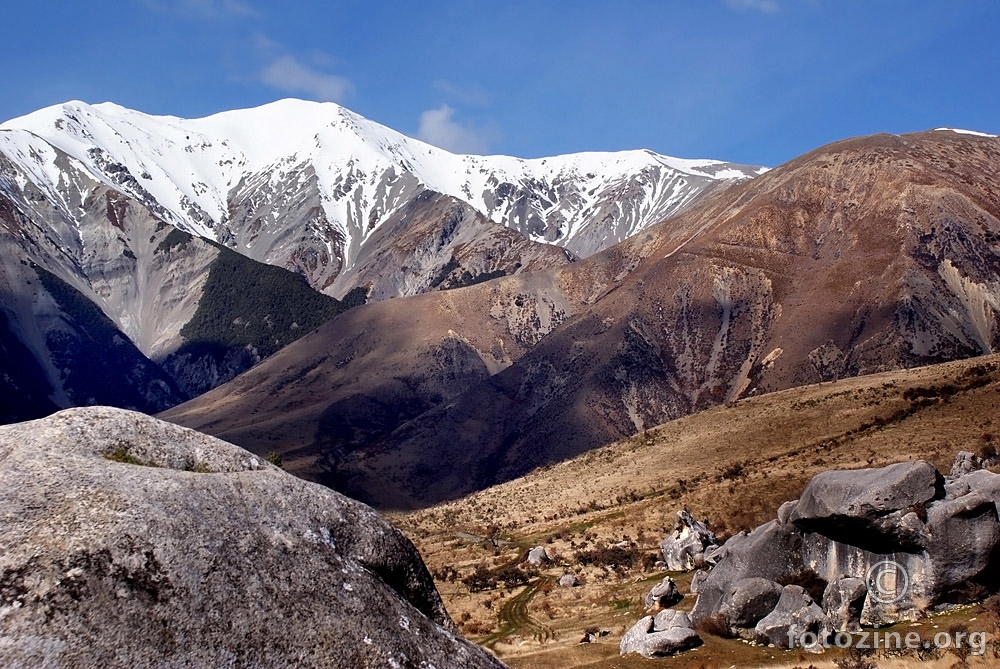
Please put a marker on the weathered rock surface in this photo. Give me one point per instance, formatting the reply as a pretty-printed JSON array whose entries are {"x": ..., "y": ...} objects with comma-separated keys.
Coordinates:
[
  {"x": 699, "y": 577},
  {"x": 749, "y": 600},
  {"x": 670, "y": 632},
  {"x": 872, "y": 508},
  {"x": 771, "y": 551},
  {"x": 132, "y": 542},
  {"x": 663, "y": 594},
  {"x": 887, "y": 544},
  {"x": 795, "y": 614},
  {"x": 686, "y": 547},
  {"x": 965, "y": 463},
  {"x": 842, "y": 604}
]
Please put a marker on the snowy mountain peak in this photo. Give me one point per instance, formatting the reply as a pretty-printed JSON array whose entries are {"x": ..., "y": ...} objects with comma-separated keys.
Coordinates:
[{"x": 294, "y": 179}]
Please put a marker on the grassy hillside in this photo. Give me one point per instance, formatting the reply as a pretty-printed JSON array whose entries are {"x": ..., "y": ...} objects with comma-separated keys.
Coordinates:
[{"x": 733, "y": 465}]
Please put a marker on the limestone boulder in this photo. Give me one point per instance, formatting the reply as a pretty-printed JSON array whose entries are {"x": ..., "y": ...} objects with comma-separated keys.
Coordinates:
[
  {"x": 843, "y": 601},
  {"x": 687, "y": 545},
  {"x": 771, "y": 551},
  {"x": 878, "y": 509},
  {"x": 795, "y": 615},
  {"x": 132, "y": 542},
  {"x": 749, "y": 600},
  {"x": 663, "y": 594},
  {"x": 669, "y": 633},
  {"x": 537, "y": 556}
]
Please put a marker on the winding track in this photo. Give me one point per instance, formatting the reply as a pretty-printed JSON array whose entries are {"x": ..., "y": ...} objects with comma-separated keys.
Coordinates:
[{"x": 514, "y": 616}]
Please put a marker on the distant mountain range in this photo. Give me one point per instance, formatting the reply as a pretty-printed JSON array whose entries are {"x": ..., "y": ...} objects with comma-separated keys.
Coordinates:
[
  {"x": 408, "y": 325},
  {"x": 132, "y": 243}
]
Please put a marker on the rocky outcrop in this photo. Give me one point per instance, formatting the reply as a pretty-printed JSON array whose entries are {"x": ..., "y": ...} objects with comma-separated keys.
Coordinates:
[
  {"x": 874, "y": 546},
  {"x": 687, "y": 546},
  {"x": 668, "y": 633},
  {"x": 132, "y": 542}
]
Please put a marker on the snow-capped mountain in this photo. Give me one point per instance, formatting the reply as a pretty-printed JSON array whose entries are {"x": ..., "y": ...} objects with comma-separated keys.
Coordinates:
[{"x": 306, "y": 185}]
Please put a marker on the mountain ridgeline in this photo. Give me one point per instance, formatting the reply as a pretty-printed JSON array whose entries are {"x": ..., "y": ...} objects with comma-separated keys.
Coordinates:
[
  {"x": 507, "y": 313},
  {"x": 211, "y": 243},
  {"x": 867, "y": 255}
]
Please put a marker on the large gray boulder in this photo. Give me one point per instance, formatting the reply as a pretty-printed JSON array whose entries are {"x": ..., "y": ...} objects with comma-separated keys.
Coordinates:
[
  {"x": 771, "y": 551},
  {"x": 877, "y": 509},
  {"x": 669, "y": 633},
  {"x": 687, "y": 546},
  {"x": 795, "y": 615},
  {"x": 964, "y": 537},
  {"x": 132, "y": 542},
  {"x": 749, "y": 600},
  {"x": 843, "y": 601}
]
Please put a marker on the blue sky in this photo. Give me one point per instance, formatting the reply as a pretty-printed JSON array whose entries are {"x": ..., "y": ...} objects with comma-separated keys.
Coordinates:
[{"x": 752, "y": 81}]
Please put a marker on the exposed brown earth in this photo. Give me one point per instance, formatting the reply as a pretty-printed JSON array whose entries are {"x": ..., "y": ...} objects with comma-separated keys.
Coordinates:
[{"x": 867, "y": 255}]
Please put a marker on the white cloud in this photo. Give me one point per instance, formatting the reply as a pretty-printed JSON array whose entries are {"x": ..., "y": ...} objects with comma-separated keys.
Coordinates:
[
  {"x": 766, "y": 6},
  {"x": 438, "y": 127},
  {"x": 289, "y": 75}
]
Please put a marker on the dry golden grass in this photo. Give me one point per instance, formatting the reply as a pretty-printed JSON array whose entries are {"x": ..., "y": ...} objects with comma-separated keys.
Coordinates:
[{"x": 733, "y": 465}]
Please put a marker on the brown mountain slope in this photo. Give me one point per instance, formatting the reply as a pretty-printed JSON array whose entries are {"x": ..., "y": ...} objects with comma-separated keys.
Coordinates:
[{"x": 870, "y": 254}]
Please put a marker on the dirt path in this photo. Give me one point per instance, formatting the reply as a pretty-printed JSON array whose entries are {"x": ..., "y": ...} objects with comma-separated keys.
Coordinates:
[{"x": 514, "y": 616}]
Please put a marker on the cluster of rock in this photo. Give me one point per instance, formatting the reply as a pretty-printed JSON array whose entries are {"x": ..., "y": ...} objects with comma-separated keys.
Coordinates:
[
  {"x": 860, "y": 547},
  {"x": 132, "y": 542}
]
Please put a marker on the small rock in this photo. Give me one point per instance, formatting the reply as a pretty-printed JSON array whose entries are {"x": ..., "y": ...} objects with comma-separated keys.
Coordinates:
[
  {"x": 537, "y": 556},
  {"x": 663, "y": 594},
  {"x": 568, "y": 581},
  {"x": 785, "y": 511},
  {"x": 965, "y": 463}
]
